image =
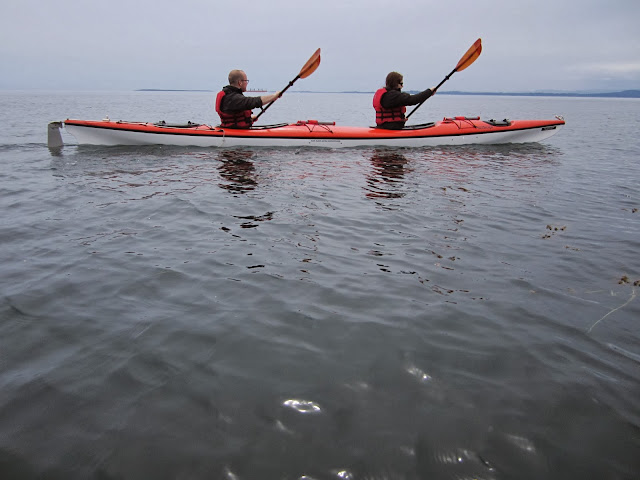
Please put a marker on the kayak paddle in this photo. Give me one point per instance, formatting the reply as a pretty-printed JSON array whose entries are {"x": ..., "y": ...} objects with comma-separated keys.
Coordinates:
[
  {"x": 309, "y": 67},
  {"x": 466, "y": 60}
]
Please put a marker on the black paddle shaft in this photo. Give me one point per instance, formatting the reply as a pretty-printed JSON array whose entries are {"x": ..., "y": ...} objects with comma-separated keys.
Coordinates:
[
  {"x": 283, "y": 90},
  {"x": 434, "y": 91}
]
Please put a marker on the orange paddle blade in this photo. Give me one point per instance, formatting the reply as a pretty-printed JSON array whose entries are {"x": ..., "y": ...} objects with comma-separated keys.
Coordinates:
[
  {"x": 311, "y": 65},
  {"x": 471, "y": 55}
]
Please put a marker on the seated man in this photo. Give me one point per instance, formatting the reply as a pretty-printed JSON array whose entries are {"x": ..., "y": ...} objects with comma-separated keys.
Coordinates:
[{"x": 233, "y": 107}]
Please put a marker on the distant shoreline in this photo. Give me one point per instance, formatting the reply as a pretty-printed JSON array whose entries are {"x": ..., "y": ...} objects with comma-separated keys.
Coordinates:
[
  {"x": 169, "y": 90},
  {"x": 621, "y": 94}
]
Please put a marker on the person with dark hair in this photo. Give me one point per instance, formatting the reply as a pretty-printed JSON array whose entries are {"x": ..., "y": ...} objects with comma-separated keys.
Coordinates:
[
  {"x": 233, "y": 107},
  {"x": 390, "y": 102}
]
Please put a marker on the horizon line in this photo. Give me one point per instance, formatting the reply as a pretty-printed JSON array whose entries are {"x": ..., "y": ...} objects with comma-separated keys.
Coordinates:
[{"x": 628, "y": 93}]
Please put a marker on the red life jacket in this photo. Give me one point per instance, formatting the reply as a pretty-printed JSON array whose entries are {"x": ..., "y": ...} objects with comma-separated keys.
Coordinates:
[
  {"x": 384, "y": 115},
  {"x": 241, "y": 119}
]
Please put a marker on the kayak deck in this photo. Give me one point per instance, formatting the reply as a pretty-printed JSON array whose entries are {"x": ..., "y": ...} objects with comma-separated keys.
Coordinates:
[{"x": 449, "y": 131}]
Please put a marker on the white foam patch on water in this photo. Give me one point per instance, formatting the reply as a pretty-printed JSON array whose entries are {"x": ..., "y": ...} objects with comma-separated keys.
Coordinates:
[{"x": 302, "y": 406}]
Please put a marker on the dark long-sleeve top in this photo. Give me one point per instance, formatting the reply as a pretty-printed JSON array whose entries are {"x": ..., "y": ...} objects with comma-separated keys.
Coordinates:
[
  {"x": 397, "y": 98},
  {"x": 235, "y": 101}
]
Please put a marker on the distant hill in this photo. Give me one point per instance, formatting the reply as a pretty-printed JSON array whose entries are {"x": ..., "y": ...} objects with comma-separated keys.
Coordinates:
[
  {"x": 622, "y": 94},
  {"x": 168, "y": 90}
]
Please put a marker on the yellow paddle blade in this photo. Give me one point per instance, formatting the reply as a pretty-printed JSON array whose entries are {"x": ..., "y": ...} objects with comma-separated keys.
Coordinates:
[
  {"x": 471, "y": 55},
  {"x": 311, "y": 65}
]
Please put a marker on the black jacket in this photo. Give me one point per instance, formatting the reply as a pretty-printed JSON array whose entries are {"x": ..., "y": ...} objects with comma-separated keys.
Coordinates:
[
  {"x": 235, "y": 101},
  {"x": 398, "y": 98}
]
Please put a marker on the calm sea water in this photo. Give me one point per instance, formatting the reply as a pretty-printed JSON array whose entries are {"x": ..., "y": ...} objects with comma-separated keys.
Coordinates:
[{"x": 444, "y": 313}]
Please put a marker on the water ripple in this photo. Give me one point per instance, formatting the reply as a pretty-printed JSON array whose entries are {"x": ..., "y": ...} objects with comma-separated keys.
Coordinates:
[{"x": 314, "y": 313}]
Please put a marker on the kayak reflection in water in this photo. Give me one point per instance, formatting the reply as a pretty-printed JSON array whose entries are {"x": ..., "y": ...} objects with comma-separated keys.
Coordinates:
[
  {"x": 388, "y": 171},
  {"x": 237, "y": 168},
  {"x": 390, "y": 102}
]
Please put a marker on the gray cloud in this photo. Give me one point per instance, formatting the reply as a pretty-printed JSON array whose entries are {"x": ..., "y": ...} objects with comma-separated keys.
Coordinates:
[{"x": 527, "y": 45}]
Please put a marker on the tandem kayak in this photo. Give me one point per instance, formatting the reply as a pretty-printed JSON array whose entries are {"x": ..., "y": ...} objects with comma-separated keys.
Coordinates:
[{"x": 307, "y": 133}]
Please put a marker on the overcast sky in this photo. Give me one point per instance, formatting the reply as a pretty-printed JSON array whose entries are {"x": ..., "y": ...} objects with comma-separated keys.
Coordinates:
[{"x": 528, "y": 45}]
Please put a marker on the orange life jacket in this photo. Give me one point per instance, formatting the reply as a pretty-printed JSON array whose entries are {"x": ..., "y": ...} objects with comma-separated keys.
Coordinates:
[
  {"x": 241, "y": 119},
  {"x": 384, "y": 115}
]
